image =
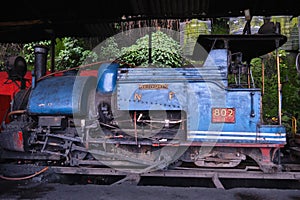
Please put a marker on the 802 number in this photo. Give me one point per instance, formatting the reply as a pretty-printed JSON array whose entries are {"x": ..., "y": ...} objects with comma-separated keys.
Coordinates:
[{"x": 225, "y": 115}]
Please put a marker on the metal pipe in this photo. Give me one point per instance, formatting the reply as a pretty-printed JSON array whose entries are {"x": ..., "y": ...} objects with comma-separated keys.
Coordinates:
[
  {"x": 16, "y": 112},
  {"x": 135, "y": 127},
  {"x": 278, "y": 83},
  {"x": 294, "y": 126},
  {"x": 25, "y": 177},
  {"x": 248, "y": 75},
  {"x": 52, "y": 54},
  {"x": 40, "y": 61},
  {"x": 150, "y": 44},
  {"x": 263, "y": 77},
  {"x": 262, "y": 87},
  {"x": 299, "y": 29}
]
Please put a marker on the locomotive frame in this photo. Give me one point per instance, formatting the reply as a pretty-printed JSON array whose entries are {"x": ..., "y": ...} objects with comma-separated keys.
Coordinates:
[
  {"x": 143, "y": 120},
  {"x": 146, "y": 119}
]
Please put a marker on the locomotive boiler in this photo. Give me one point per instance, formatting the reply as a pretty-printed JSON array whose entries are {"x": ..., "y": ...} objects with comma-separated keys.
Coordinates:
[{"x": 152, "y": 118}]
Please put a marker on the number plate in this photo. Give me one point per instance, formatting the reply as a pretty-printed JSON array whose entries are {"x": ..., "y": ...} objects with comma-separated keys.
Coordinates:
[{"x": 223, "y": 115}]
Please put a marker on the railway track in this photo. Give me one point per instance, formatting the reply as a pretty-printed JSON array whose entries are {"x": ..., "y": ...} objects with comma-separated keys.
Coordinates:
[{"x": 17, "y": 172}]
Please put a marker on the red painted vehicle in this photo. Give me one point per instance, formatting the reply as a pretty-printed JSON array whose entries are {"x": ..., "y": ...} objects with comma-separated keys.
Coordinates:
[{"x": 8, "y": 89}]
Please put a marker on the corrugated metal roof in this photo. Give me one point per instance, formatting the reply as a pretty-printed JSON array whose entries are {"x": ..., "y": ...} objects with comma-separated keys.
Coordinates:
[
  {"x": 32, "y": 20},
  {"x": 211, "y": 8}
]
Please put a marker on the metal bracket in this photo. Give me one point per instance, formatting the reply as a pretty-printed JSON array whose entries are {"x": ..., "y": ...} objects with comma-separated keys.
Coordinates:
[
  {"x": 217, "y": 182},
  {"x": 132, "y": 179}
]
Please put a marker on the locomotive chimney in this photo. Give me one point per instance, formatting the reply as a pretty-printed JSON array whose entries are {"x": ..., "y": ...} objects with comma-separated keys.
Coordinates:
[{"x": 40, "y": 61}]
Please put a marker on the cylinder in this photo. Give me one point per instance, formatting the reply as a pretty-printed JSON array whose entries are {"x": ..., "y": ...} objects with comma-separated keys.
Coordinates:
[{"x": 40, "y": 61}]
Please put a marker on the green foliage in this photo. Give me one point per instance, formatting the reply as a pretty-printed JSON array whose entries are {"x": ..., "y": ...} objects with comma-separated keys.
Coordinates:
[
  {"x": 220, "y": 26},
  {"x": 289, "y": 28},
  {"x": 28, "y": 52},
  {"x": 69, "y": 53},
  {"x": 166, "y": 52},
  {"x": 191, "y": 31},
  {"x": 290, "y": 86},
  {"x": 109, "y": 50},
  {"x": 270, "y": 96},
  {"x": 72, "y": 54}
]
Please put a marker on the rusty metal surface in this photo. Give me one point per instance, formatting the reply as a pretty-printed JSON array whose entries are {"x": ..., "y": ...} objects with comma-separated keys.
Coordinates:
[
  {"x": 195, "y": 173},
  {"x": 248, "y": 173},
  {"x": 220, "y": 178}
]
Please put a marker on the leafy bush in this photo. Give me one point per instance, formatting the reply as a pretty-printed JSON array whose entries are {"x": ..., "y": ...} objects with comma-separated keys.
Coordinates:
[
  {"x": 166, "y": 52},
  {"x": 290, "y": 86},
  {"x": 109, "y": 50},
  {"x": 72, "y": 54},
  {"x": 28, "y": 52}
]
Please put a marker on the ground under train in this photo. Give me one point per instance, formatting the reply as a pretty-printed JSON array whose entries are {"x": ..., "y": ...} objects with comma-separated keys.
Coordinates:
[{"x": 149, "y": 118}]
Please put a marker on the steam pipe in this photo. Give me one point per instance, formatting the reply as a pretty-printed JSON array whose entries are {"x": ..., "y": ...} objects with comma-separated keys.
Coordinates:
[{"x": 40, "y": 61}]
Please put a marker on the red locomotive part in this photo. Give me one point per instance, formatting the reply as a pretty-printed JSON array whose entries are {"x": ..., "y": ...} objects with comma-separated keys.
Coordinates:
[{"x": 8, "y": 88}]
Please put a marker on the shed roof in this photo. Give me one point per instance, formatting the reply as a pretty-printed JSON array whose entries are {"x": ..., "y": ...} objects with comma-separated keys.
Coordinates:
[{"x": 34, "y": 20}]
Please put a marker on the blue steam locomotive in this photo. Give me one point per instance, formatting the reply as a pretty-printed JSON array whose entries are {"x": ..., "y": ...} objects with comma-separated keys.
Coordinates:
[{"x": 143, "y": 119}]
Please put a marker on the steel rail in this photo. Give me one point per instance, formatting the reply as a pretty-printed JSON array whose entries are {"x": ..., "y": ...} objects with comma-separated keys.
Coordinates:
[
  {"x": 215, "y": 175},
  {"x": 195, "y": 173}
]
